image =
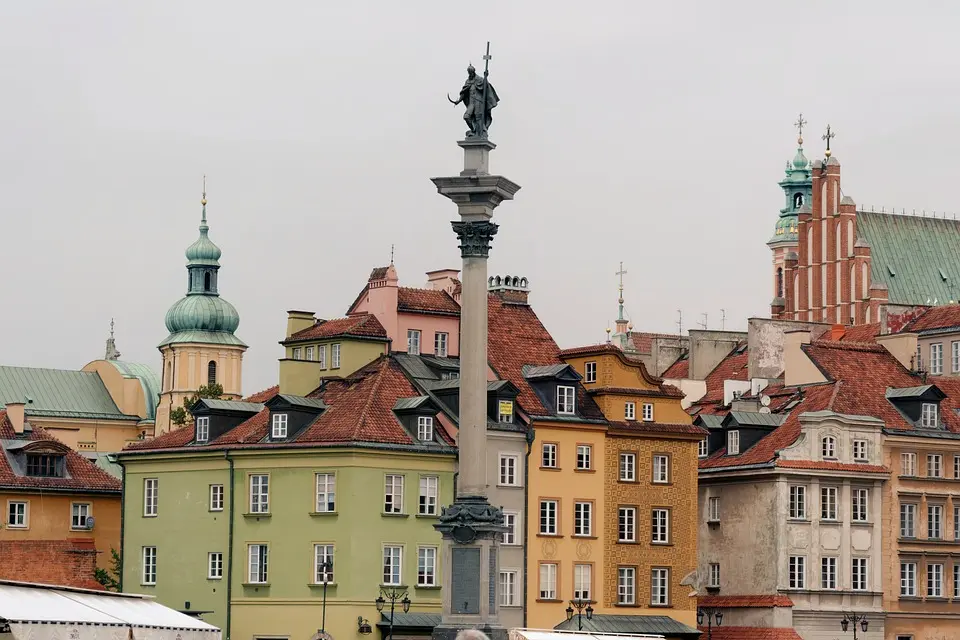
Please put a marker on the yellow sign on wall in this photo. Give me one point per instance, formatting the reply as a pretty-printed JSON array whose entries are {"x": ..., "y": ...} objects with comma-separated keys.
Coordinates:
[{"x": 506, "y": 410}]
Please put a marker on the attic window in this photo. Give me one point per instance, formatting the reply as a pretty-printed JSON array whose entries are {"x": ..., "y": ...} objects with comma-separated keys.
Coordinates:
[
  {"x": 425, "y": 428},
  {"x": 44, "y": 465},
  {"x": 565, "y": 399},
  {"x": 505, "y": 410},
  {"x": 279, "y": 426},
  {"x": 930, "y": 417},
  {"x": 203, "y": 429},
  {"x": 733, "y": 443}
]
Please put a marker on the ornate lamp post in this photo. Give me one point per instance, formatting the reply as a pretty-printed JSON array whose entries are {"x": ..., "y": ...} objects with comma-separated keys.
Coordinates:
[
  {"x": 325, "y": 569},
  {"x": 854, "y": 618},
  {"x": 711, "y": 614},
  {"x": 582, "y": 606},
  {"x": 394, "y": 595}
]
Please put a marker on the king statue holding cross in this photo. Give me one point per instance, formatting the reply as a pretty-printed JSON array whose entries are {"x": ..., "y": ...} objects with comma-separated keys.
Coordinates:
[{"x": 479, "y": 97}]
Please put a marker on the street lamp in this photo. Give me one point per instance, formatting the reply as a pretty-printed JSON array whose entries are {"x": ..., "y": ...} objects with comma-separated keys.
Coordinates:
[
  {"x": 711, "y": 614},
  {"x": 582, "y": 606},
  {"x": 325, "y": 570},
  {"x": 394, "y": 595},
  {"x": 853, "y": 618}
]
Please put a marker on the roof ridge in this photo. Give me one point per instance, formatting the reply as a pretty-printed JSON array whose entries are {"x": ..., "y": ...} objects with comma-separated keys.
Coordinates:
[{"x": 370, "y": 396}]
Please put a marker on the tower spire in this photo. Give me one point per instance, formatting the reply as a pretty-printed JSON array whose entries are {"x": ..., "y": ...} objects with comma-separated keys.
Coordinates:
[
  {"x": 203, "y": 203},
  {"x": 799, "y": 124},
  {"x": 111, "y": 353},
  {"x": 827, "y": 136},
  {"x": 621, "y": 323}
]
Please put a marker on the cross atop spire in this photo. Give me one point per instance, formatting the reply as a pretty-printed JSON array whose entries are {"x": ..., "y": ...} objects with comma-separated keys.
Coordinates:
[
  {"x": 799, "y": 124},
  {"x": 203, "y": 203},
  {"x": 827, "y": 136},
  {"x": 621, "y": 321},
  {"x": 111, "y": 352}
]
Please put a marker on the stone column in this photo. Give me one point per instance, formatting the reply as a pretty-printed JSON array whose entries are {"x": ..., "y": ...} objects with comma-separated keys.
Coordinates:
[{"x": 471, "y": 527}]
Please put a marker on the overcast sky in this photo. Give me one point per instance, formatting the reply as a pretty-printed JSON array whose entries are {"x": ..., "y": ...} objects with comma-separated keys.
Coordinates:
[{"x": 653, "y": 133}]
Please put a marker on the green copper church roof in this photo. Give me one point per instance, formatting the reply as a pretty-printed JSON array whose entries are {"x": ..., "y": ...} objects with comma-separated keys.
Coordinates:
[
  {"x": 917, "y": 258},
  {"x": 198, "y": 312},
  {"x": 149, "y": 381},
  {"x": 59, "y": 393},
  {"x": 203, "y": 251}
]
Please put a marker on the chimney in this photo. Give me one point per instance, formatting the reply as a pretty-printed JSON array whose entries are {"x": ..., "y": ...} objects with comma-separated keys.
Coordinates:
[
  {"x": 510, "y": 289},
  {"x": 383, "y": 277},
  {"x": 15, "y": 412},
  {"x": 443, "y": 280},
  {"x": 837, "y": 332},
  {"x": 299, "y": 320}
]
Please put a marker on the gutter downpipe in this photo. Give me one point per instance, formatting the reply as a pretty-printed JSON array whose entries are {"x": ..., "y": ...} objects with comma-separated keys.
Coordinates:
[
  {"x": 226, "y": 455},
  {"x": 123, "y": 519},
  {"x": 531, "y": 436}
]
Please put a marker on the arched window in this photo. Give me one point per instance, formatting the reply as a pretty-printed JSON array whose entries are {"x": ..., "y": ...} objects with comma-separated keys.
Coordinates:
[
  {"x": 849, "y": 237},
  {"x": 828, "y": 447},
  {"x": 211, "y": 372},
  {"x": 206, "y": 281},
  {"x": 868, "y": 315},
  {"x": 864, "y": 287},
  {"x": 779, "y": 282},
  {"x": 797, "y": 200},
  {"x": 809, "y": 244},
  {"x": 837, "y": 242},
  {"x": 796, "y": 285}
]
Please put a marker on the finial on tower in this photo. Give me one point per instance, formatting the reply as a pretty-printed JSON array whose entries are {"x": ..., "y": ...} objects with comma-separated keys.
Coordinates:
[
  {"x": 203, "y": 203},
  {"x": 111, "y": 328},
  {"x": 391, "y": 254},
  {"x": 827, "y": 136},
  {"x": 111, "y": 352},
  {"x": 799, "y": 124}
]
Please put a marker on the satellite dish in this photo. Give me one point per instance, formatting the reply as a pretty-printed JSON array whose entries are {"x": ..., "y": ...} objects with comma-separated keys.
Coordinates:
[
  {"x": 765, "y": 400},
  {"x": 764, "y": 410}
]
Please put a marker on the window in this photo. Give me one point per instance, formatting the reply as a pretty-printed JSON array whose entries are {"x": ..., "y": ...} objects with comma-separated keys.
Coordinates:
[
  {"x": 335, "y": 356},
  {"x": 828, "y": 573},
  {"x": 429, "y": 492},
  {"x": 548, "y": 517},
  {"x": 582, "y": 518},
  {"x": 16, "y": 515},
  {"x": 583, "y": 456},
  {"x": 956, "y": 580},
  {"x": 908, "y": 464},
  {"x": 322, "y": 563},
  {"x": 326, "y": 493},
  {"x": 626, "y": 585},
  {"x": 81, "y": 512},
  {"x": 211, "y": 373},
  {"x": 630, "y": 411},
  {"x": 733, "y": 443},
  {"x": 859, "y": 499},
  {"x": 508, "y": 469},
  {"x": 149, "y": 566},
  {"x": 908, "y": 579},
  {"x": 393, "y": 494},
  {"x": 713, "y": 579},
  {"x": 908, "y": 520},
  {"x": 582, "y": 581},
  {"x": 413, "y": 342},
  {"x": 934, "y": 521},
  {"x": 440, "y": 344},
  {"x": 936, "y": 358},
  {"x": 934, "y": 580},
  {"x": 859, "y": 574},
  {"x": 627, "y": 530},
  {"x": 427, "y": 567},
  {"x": 661, "y": 469},
  {"x": 548, "y": 581},
  {"x": 508, "y": 588},
  {"x": 798, "y": 502},
  {"x": 660, "y": 586},
  {"x": 310, "y": 353},
  {"x": 216, "y": 497},
  {"x": 955, "y": 356},
  {"x": 956, "y": 467},
  {"x": 798, "y": 570},
  {"x": 322, "y": 356},
  {"x": 505, "y": 411},
  {"x": 660, "y": 526},
  {"x": 43, "y": 466},
  {"x": 828, "y": 503},
  {"x": 549, "y": 456},
  {"x": 713, "y": 509},
  {"x": 279, "y": 427},
  {"x": 203, "y": 429},
  {"x": 511, "y": 520},
  {"x": 929, "y": 415},
  {"x": 703, "y": 448},
  {"x": 214, "y": 565},
  {"x": 425, "y": 428},
  {"x": 860, "y": 450},
  {"x": 150, "y": 491},
  {"x": 392, "y": 561},
  {"x": 956, "y": 524},
  {"x": 828, "y": 447},
  {"x": 257, "y": 567},
  {"x": 296, "y": 353},
  {"x": 259, "y": 494},
  {"x": 934, "y": 465},
  {"x": 628, "y": 467},
  {"x": 565, "y": 399},
  {"x": 590, "y": 372},
  {"x": 647, "y": 412}
]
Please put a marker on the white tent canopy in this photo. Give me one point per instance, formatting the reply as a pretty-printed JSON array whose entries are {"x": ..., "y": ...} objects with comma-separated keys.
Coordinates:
[{"x": 42, "y": 612}]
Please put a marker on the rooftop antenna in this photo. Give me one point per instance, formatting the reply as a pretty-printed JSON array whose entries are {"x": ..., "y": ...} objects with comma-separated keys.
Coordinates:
[
  {"x": 391, "y": 254},
  {"x": 703, "y": 323},
  {"x": 679, "y": 322},
  {"x": 723, "y": 319}
]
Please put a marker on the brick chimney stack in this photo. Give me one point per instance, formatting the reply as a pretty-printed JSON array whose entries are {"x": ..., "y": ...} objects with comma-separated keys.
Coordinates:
[
  {"x": 510, "y": 289},
  {"x": 16, "y": 414}
]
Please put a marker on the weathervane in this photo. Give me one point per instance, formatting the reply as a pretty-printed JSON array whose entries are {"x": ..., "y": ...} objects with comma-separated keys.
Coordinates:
[
  {"x": 799, "y": 124},
  {"x": 479, "y": 97},
  {"x": 827, "y": 136}
]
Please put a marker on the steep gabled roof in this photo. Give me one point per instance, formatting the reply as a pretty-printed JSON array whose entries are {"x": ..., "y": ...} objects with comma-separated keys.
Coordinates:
[
  {"x": 364, "y": 326},
  {"x": 59, "y": 393},
  {"x": 429, "y": 301},
  {"x": 936, "y": 319},
  {"x": 678, "y": 370},
  {"x": 732, "y": 367}
]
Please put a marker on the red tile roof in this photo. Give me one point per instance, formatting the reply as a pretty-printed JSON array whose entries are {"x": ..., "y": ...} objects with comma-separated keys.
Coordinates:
[
  {"x": 860, "y": 333},
  {"x": 752, "y": 633},
  {"x": 643, "y": 341},
  {"x": 745, "y": 602},
  {"x": 943, "y": 317},
  {"x": 363, "y": 325},
  {"x": 633, "y": 426},
  {"x": 665, "y": 391},
  {"x": 590, "y": 349},
  {"x": 678, "y": 370},
  {"x": 378, "y": 273},
  {"x": 825, "y": 465},
  {"x": 429, "y": 301},
  {"x": 263, "y": 396},
  {"x": 733, "y": 367},
  {"x": 85, "y": 476}
]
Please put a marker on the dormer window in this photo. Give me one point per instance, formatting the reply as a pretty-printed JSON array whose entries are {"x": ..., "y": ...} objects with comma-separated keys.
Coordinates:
[
  {"x": 733, "y": 443},
  {"x": 203, "y": 429},
  {"x": 590, "y": 370},
  {"x": 279, "y": 426},
  {"x": 828, "y": 447},
  {"x": 44, "y": 465},
  {"x": 566, "y": 400},
  {"x": 425, "y": 428},
  {"x": 505, "y": 411},
  {"x": 930, "y": 416}
]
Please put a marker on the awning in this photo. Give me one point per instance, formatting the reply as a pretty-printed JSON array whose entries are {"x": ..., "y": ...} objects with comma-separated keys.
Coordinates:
[
  {"x": 41, "y": 612},
  {"x": 631, "y": 625}
]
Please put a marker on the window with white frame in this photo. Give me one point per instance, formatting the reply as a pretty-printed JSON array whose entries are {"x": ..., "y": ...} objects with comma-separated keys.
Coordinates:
[
  {"x": 279, "y": 426},
  {"x": 956, "y": 580},
  {"x": 590, "y": 372},
  {"x": 828, "y": 572},
  {"x": 908, "y": 579},
  {"x": 660, "y": 526},
  {"x": 956, "y": 467},
  {"x": 203, "y": 429},
  {"x": 627, "y": 524},
  {"x": 566, "y": 399},
  {"x": 955, "y": 356},
  {"x": 713, "y": 509},
  {"x": 626, "y": 585},
  {"x": 582, "y": 582},
  {"x": 859, "y": 498},
  {"x": 798, "y": 572},
  {"x": 149, "y": 575},
  {"x": 323, "y": 563},
  {"x": 660, "y": 586},
  {"x": 582, "y": 518},
  {"x": 214, "y": 565},
  {"x": 630, "y": 411},
  {"x": 425, "y": 428},
  {"x": 413, "y": 342},
  {"x": 628, "y": 467},
  {"x": 935, "y": 521},
  {"x": 936, "y": 358},
  {"x": 216, "y": 497},
  {"x": 703, "y": 448},
  {"x": 828, "y": 503},
  {"x": 429, "y": 494},
  {"x": 508, "y": 588},
  {"x": 828, "y": 447},
  {"x": 16, "y": 515},
  {"x": 584, "y": 452},
  {"x": 81, "y": 512},
  {"x": 509, "y": 466},
  {"x": 647, "y": 412},
  {"x": 259, "y": 494},
  {"x": 322, "y": 356},
  {"x": 296, "y": 353},
  {"x": 335, "y": 356},
  {"x": 548, "y": 517},
  {"x": 427, "y": 567},
  {"x": 934, "y": 580},
  {"x": 908, "y": 464},
  {"x": 151, "y": 494},
  {"x": 713, "y": 579},
  {"x": 440, "y": 340},
  {"x": 733, "y": 443},
  {"x": 548, "y": 581},
  {"x": 798, "y": 502},
  {"x": 511, "y": 520},
  {"x": 859, "y": 574},
  {"x": 929, "y": 415},
  {"x": 548, "y": 457},
  {"x": 393, "y": 494},
  {"x": 661, "y": 469},
  {"x": 908, "y": 520},
  {"x": 860, "y": 449},
  {"x": 934, "y": 465},
  {"x": 956, "y": 524},
  {"x": 326, "y": 493},
  {"x": 392, "y": 563},
  {"x": 310, "y": 353}
]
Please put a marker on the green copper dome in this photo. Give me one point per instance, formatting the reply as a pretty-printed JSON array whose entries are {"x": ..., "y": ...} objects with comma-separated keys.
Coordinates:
[
  {"x": 202, "y": 313},
  {"x": 797, "y": 185},
  {"x": 203, "y": 251},
  {"x": 800, "y": 161}
]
